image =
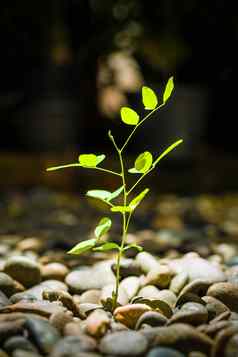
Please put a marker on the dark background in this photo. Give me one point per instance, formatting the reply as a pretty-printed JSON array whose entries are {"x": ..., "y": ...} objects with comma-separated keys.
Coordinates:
[{"x": 61, "y": 90}]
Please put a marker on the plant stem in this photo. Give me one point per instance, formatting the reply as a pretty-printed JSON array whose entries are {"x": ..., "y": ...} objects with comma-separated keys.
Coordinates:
[
  {"x": 139, "y": 124},
  {"x": 124, "y": 224},
  {"x": 75, "y": 164}
]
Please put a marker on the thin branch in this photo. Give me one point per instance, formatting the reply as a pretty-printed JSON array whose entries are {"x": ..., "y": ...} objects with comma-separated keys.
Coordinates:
[
  {"x": 139, "y": 124},
  {"x": 78, "y": 165}
]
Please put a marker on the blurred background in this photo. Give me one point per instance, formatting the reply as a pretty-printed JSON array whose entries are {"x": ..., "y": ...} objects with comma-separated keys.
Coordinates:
[{"x": 67, "y": 66}]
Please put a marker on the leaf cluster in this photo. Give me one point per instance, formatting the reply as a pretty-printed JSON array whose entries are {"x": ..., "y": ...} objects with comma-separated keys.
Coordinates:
[{"x": 143, "y": 165}]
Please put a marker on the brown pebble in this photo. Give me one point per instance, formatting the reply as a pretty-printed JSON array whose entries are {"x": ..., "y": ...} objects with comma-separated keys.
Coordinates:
[
  {"x": 57, "y": 271},
  {"x": 226, "y": 293},
  {"x": 60, "y": 319},
  {"x": 129, "y": 314},
  {"x": 97, "y": 323}
]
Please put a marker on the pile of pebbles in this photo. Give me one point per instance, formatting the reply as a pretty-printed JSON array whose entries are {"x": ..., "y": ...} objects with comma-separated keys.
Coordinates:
[{"x": 173, "y": 301}]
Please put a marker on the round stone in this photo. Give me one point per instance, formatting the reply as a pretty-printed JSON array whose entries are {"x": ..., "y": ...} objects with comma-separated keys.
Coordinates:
[
  {"x": 42, "y": 333},
  {"x": 24, "y": 270},
  {"x": 124, "y": 343},
  {"x": 71, "y": 346},
  {"x": 18, "y": 342},
  {"x": 164, "y": 352},
  {"x": 152, "y": 318},
  {"x": 90, "y": 278},
  {"x": 97, "y": 323},
  {"x": 147, "y": 262},
  {"x": 91, "y": 296},
  {"x": 9, "y": 286},
  {"x": 192, "y": 313},
  {"x": 178, "y": 282},
  {"x": 161, "y": 276},
  {"x": 55, "y": 271},
  {"x": 226, "y": 293},
  {"x": 198, "y": 268},
  {"x": 129, "y": 314}
]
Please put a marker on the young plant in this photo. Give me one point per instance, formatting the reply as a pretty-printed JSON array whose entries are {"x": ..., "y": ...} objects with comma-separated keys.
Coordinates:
[{"x": 144, "y": 164}]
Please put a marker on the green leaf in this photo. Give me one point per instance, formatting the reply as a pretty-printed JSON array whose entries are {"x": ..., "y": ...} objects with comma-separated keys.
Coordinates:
[
  {"x": 165, "y": 152},
  {"x": 136, "y": 201},
  {"x": 104, "y": 195},
  {"x": 83, "y": 247},
  {"x": 116, "y": 193},
  {"x": 100, "y": 158},
  {"x": 100, "y": 194},
  {"x": 107, "y": 246},
  {"x": 133, "y": 245},
  {"x": 149, "y": 98},
  {"x": 134, "y": 171},
  {"x": 103, "y": 227},
  {"x": 144, "y": 162},
  {"x": 129, "y": 116},
  {"x": 121, "y": 209},
  {"x": 90, "y": 160},
  {"x": 168, "y": 89}
]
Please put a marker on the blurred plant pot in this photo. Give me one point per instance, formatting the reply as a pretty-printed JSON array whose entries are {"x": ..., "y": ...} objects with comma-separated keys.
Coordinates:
[{"x": 184, "y": 116}]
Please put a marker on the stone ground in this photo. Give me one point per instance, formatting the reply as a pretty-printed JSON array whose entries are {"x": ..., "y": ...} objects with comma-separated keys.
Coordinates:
[{"x": 177, "y": 298}]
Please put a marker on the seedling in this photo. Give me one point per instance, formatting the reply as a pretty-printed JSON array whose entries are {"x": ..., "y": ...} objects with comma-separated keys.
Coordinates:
[{"x": 144, "y": 164}]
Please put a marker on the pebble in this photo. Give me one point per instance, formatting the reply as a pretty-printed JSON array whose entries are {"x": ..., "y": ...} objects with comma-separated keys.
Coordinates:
[
  {"x": 149, "y": 292},
  {"x": 56, "y": 271},
  {"x": 107, "y": 291},
  {"x": 131, "y": 286},
  {"x": 30, "y": 244},
  {"x": 231, "y": 348},
  {"x": 198, "y": 268},
  {"x": 183, "y": 337},
  {"x": 128, "y": 267},
  {"x": 64, "y": 297},
  {"x": 90, "y": 278},
  {"x": 198, "y": 287},
  {"x": 18, "y": 342},
  {"x": 167, "y": 296},
  {"x": 191, "y": 313},
  {"x": 60, "y": 319},
  {"x": 42, "y": 308},
  {"x": 35, "y": 293},
  {"x": 24, "y": 270},
  {"x": 10, "y": 328},
  {"x": 178, "y": 282},
  {"x": 9, "y": 286},
  {"x": 226, "y": 293},
  {"x": 73, "y": 346},
  {"x": 42, "y": 333},
  {"x": 147, "y": 262},
  {"x": 74, "y": 328},
  {"x": 23, "y": 353},
  {"x": 221, "y": 340},
  {"x": 129, "y": 314},
  {"x": 124, "y": 343},
  {"x": 164, "y": 352},
  {"x": 3, "y": 299},
  {"x": 91, "y": 296},
  {"x": 152, "y": 318},
  {"x": 97, "y": 323},
  {"x": 161, "y": 276},
  {"x": 214, "y": 306},
  {"x": 86, "y": 308},
  {"x": 188, "y": 297},
  {"x": 227, "y": 251}
]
